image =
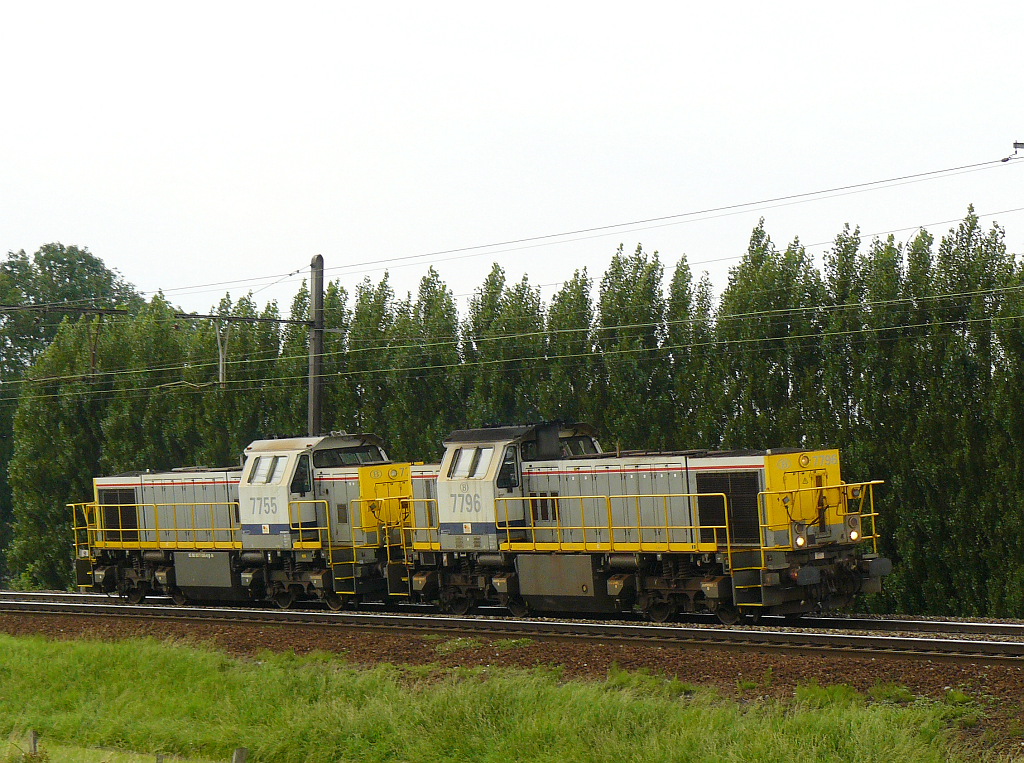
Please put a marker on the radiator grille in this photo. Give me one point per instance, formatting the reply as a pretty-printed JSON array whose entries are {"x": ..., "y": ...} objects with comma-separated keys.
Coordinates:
[
  {"x": 741, "y": 489},
  {"x": 120, "y": 515}
]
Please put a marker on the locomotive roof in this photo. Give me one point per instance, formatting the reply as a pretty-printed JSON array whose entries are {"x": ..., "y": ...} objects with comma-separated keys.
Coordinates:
[
  {"x": 494, "y": 434},
  {"x": 176, "y": 471},
  {"x": 695, "y": 453},
  {"x": 528, "y": 432},
  {"x": 302, "y": 443}
]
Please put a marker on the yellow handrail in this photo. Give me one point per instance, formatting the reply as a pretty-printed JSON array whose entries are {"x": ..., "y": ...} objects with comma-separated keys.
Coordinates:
[
  {"x": 847, "y": 490},
  {"x": 608, "y": 529},
  {"x": 323, "y": 536},
  {"x": 866, "y": 490},
  {"x": 432, "y": 527},
  {"x": 147, "y": 533}
]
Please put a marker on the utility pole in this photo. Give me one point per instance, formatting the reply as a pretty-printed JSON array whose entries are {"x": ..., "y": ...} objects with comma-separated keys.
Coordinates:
[
  {"x": 222, "y": 351},
  {"x": 316, "y": 343}
]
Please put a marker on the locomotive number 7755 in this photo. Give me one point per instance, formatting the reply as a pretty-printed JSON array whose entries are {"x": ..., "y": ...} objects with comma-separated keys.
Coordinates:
[{"x": 264, "y": 505}]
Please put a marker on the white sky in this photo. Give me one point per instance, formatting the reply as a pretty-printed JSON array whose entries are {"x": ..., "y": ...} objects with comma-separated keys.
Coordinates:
[{"x": 196, "y": 143}]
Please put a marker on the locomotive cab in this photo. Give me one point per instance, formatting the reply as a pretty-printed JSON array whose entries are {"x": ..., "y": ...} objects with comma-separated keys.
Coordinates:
[
  {"x": 480, "y": 485},
  {"x": 277, "y": 495}
]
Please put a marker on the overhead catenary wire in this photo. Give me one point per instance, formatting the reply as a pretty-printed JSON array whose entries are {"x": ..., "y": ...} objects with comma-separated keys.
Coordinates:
[
  {"x": 602, "y": 353},
  {"x": 381, "y": 265},
  {"x": 710, "y": 210},
  {"x": 417, "y": 343},
  {"x": 250, "y": 384},
  {"x": 274, "y": 357},
  {"x": 285, "y": 321},
  {"x": 485, "y": 249}
]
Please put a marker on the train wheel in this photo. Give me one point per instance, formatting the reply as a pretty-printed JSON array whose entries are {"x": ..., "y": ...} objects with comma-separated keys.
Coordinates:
[
  {"x": 178, "y": 597},
  {"x": 517, "y": 607},
  {"x": 137, "y": 594},
  {"x": 728, "y": 614},
  {"x": 661, "y": 611},
  {"x": 284, "y": 598},
  {"x": 461, "y": 605},
  {"x": 334, "y": 602}
]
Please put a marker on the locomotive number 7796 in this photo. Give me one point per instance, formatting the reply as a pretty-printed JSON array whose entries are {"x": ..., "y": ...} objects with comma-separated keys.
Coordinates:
[{"x": 465, "y": 503}]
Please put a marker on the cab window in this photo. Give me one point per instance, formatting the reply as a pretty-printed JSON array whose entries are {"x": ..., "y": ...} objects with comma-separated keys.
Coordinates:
[
  {"x": 462, "y": 462},
  {"x": 301, "y": 482},
  {"x": 508, "y": 476},
  {"x": 258, "y": 473},
  {"x": 267, "y": 470},
  {"x": 277, "y": 469},
  {"x": 333, "y": 458},
  {"x": 481, "y": 461},
  {"x": 577, "y": 446},
  {"x": 468, "y": 463}
]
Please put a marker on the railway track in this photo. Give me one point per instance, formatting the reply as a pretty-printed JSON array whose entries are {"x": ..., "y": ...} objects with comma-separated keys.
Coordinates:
[
  {"x": 847, "y": 623},
  {"x": 867, "y": 637}
]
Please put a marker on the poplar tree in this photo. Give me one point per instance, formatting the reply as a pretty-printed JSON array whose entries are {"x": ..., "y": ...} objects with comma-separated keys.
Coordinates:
[
  {"x": 568, "y": 394},
  {"x": 769, "y": 323},
  {"x": 696, "y": 369},
  {"x": 633, "y": 371}
]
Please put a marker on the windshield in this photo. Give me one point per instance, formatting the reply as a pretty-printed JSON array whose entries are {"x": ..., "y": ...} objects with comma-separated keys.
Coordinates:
[{"x": 470, "y": 463}]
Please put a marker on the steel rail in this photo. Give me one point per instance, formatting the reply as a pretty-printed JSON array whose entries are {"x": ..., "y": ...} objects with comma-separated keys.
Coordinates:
[
  {"x": 743, "y": 638},
  {"x": 852, "y": 623}
]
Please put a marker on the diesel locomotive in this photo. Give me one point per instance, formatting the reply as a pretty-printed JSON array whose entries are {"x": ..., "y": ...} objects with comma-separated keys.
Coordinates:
[{"x": 534, "y": 518}]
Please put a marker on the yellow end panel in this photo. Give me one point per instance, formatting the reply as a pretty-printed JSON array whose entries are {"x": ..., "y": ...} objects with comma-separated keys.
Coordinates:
[
  {"x": 810, "y": 481},
  {"x": 384, "y": 494}
]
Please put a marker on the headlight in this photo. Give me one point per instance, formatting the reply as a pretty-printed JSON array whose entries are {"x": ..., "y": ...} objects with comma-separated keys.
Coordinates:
[
  {"x": 853, "y": 528},
  {"x": 805, "y": 460},
  {"x": 799, "y": 534}
]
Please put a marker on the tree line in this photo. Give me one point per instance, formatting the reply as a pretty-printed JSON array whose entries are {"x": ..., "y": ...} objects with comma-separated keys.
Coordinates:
[{"x": 907, "y": 357}]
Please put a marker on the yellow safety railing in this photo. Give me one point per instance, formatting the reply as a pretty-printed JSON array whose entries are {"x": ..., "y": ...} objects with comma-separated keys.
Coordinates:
[
  {"x": 846, "y": 494},
  {"x": 94, "y": 530},
  {"x": 432, "y": 528},
  {"x": 319, "y": 537},
  {"x": 81, "y": 524},
  {"x": 314, "y": 536},
  {"x": 603, "y": 533},
  {"x": 306, "y": 535}
]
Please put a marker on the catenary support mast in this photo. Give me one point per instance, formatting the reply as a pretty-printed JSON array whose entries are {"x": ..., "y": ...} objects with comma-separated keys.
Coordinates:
[{"x": 316, "y": 343}]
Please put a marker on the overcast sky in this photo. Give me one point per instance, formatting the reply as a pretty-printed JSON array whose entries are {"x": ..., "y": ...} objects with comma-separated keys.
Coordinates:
[{"x": 189, "y": 144}]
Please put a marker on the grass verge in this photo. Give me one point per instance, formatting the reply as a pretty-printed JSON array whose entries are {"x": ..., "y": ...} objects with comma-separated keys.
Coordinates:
[{"x": 197, "y": 703}]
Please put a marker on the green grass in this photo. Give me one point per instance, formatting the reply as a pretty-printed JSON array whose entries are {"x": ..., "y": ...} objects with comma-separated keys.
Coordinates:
[
  {"x": 457, "y": 645},
  {"x": 14, "y": 752},
  {"x": 199, "y": 703},
  {"x": 512, "y": 643}
]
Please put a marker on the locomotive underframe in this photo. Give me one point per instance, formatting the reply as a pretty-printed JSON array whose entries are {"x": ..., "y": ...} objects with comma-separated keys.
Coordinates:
[
  {"x": 279, "y": 576},
  {"x": 657, "y": 585}
]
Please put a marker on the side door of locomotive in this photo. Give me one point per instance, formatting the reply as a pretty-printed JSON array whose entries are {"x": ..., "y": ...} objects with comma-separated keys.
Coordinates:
[
  {"x": 302, "y": 502},
  {"x": 508, "y": 486}
]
